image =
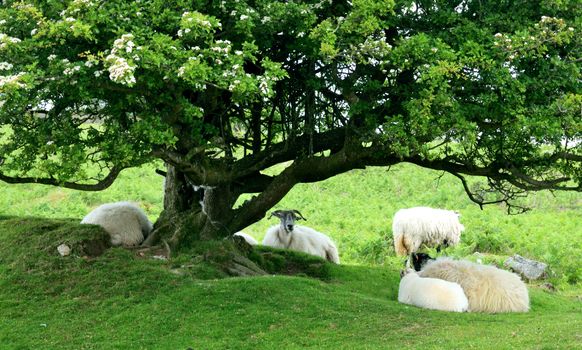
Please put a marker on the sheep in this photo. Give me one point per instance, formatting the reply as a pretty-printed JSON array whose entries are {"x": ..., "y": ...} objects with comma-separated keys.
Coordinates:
[
  {"x": 413, "y": 227},
  {"x": 431, "y": 293},
  {"x": 248, "y": 238},
  {"x": 418, "y": 260},
  {"x": 287, "y": 235},
  {"x": 488, "y": 288},
  {"x": 126, "y": 223}
]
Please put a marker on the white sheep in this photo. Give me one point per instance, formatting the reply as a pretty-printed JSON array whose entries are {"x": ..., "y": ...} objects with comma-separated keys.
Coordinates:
[
  {"x": 413, "y": 227},
  {"x": 287, "y": 235},
  {"x": 488, "y": 288},
  {"x": 126, "y": 223},
  {"x": 248, "y": 238},
  {"x": 431, "y": 293}
]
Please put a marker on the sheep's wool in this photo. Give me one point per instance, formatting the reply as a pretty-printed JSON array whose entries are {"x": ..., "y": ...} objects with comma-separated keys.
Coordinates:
[
  {"x": 432, "y": 293},
  {"x": 126, "y": 223},
  {"x": 248, "y": 238},
  {"x": 488, "y": 288},
  {"x": 302, "y": 239},
  {"x": 414, "y": 227}
]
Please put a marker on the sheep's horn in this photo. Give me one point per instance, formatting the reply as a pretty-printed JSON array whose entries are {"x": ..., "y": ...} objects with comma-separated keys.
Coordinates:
[
  {"x": 276, "y": 213},
  {"x": 298, "y": 213}
]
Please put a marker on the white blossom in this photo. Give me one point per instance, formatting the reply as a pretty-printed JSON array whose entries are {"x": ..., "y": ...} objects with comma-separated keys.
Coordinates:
[
  {"x": 120, "y": 71},
  {"x": 51, "y": 57},
  {"x": 33, "y": 32},
  {"x": 232, "y": 86},
  {"x": 5, "y": 66},
  {"x": 123, "y": 43},
  {"x": 70, "y": 19},
  {"x": 11, "y": 80},
  {"x": 243, "y": 17},
  {"x": 72, "y": 70},
  {"x": 264, "y": 86}
]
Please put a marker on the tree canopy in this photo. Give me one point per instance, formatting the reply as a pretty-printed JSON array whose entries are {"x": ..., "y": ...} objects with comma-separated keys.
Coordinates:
[{"x": 222, "y": 90}]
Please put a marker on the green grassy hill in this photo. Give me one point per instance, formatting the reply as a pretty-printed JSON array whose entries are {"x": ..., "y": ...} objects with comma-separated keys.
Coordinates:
[{"x": 122, "y": 300}]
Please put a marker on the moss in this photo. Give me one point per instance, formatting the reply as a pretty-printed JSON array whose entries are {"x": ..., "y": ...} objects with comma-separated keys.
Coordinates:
[{"x": 288, "y": 262}]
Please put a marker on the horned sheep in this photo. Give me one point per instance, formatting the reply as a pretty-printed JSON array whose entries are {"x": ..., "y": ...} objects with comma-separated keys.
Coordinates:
[
  {"x": 125, "y": 222},
  {"x": 488, "y": 288},
  {"x": 287, "y": 235},
  {"x": 431, "y": 293},
  {"x": 413, "y": 227}
]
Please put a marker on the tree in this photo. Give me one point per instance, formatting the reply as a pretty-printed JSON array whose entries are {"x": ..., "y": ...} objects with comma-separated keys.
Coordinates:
[{"x": 222, "y": 90}]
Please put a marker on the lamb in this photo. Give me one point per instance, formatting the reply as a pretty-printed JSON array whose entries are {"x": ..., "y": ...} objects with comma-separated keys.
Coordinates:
[
  {"x": 248, "y": 238},
  {"x": 287, "y": 235},
  {"x": 488, "y": 288},
  {"x": 431, "y": 293},
  {"x": 126, "y": 223},
  {"x": 413, "y": 227}
]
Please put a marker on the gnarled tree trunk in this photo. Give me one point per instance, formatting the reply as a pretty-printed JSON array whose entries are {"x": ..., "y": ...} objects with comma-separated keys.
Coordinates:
[{"x": 192, "y": 213}]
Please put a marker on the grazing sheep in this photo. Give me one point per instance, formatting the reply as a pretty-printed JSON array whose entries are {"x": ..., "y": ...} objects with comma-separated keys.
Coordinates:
[
  {"x": 414, "y": 227},
  {"x": 248, "y": 238},
  {"x": 287, "y": 235},
  {"x": 126, "y": 223},
  {"x": 431, "y": 293},
  {"x": 488, "y": 288}
]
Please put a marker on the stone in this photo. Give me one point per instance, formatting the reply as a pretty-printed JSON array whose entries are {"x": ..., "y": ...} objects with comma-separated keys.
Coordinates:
[
  {"x": 64, "y": 249},
  {"x": 529, "y": 269}
]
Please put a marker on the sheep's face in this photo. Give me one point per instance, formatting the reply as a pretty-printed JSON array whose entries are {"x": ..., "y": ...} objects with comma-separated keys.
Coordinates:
[
  {"x": 419, "y": 259},
  {"x": 288, "y": 218}
]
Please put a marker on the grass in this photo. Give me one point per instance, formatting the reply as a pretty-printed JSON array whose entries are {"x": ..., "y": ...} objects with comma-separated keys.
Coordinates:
[{"x": 120, "y": 300}]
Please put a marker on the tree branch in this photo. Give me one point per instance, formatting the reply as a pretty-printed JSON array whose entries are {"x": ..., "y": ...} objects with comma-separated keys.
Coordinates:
[
  {"x": 289, "y": 150},
  {"x": 100, "y": 185}
]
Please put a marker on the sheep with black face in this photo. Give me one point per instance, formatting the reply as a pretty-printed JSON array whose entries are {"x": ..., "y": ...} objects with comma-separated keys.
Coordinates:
[{"x": 288, "y": 235}]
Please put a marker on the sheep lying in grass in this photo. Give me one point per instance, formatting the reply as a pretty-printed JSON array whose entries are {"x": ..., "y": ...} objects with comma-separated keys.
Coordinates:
[
  {"x": 413, "y": 227},
  {"x": 488, "y": 288},
  {"x": 431, "y": 293},
  {"x": 126, "y": 223},
  {"x": 248, "y": 238},
  {"x": 287, "y": 235}
]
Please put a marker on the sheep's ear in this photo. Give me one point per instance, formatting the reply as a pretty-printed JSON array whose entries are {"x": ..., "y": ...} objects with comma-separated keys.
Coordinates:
[
  {"x": 298, "y": 216},
  {"x": 276, "y": 213},
  {"x": 402, "y": 273}
]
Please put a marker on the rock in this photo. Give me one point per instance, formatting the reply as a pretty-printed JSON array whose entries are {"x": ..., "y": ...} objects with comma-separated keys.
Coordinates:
[
  {"x": 64, "y": 249},
  {"x": 528, "y": 269}
]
